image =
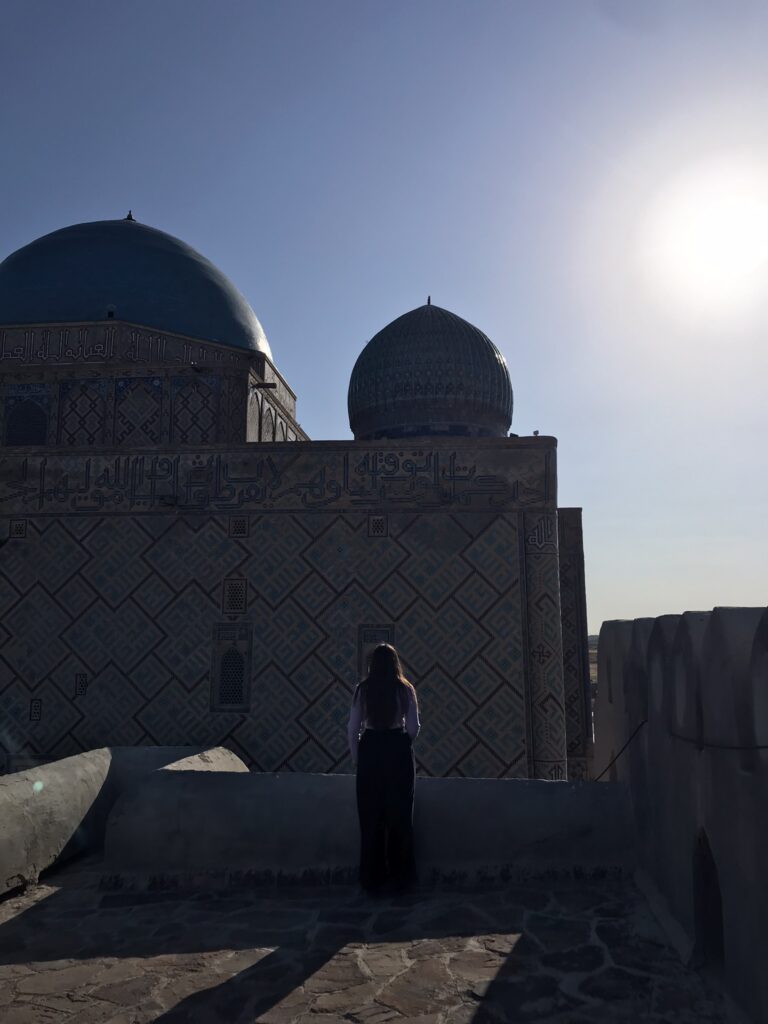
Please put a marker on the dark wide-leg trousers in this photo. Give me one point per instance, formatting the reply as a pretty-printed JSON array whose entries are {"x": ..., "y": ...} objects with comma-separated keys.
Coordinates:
[{"x": 385, "y": 783}]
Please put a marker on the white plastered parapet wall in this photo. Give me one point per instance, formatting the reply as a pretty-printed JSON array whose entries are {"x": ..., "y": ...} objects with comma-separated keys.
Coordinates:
[{"x": 685, "y": 697}]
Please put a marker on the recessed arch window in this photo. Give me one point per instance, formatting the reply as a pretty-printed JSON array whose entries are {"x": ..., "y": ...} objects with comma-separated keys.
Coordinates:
[
  {"x": 232, "y": 678},
  {"x": 231, "y": 667},
  {"x": 267, "y": 424},
  {"x": 26, "y": 423}
]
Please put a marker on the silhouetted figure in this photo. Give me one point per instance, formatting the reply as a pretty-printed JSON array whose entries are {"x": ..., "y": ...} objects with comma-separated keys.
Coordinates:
[{"x": 383, "y": 722}]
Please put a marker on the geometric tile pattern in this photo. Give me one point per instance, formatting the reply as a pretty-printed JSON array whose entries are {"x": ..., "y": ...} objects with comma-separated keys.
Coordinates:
[
  {"x": 138, "y": 411},
  {"x": 545, "y": 659},
  {"x": 115, "y": 567},
  {"x": 573, "y": 614},
  {"x": 35, "y": 646},
  {"x": 185, "y": 649},
  {"x": 194, "y": 410},
  {"x": 114, "y": 631},
  {"x": 108, "y": 708},
  {"x": 146, "y": 600},
  {"x": 132, "y": 369},
  {"x": 82, "y": 407}
]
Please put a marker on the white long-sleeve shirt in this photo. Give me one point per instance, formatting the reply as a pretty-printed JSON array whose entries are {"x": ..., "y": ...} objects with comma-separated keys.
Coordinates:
[{"x": 357, "y": 722}]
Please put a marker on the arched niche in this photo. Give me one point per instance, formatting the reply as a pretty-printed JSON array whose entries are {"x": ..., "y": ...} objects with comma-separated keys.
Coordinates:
[
  {"x": 267, "y": 424},
  {"x": 26, "y": 423}
]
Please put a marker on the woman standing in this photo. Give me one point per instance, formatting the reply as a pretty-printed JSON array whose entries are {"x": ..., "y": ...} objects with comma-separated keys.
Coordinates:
[{"x": 383, "y": 722}]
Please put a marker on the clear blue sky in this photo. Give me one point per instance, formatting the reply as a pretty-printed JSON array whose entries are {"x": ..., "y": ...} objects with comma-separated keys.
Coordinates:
[{"x": 341, "y": 159}]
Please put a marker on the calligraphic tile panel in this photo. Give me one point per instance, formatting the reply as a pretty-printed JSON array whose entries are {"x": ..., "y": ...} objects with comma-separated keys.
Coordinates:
[{"x": 487, "y": 477}]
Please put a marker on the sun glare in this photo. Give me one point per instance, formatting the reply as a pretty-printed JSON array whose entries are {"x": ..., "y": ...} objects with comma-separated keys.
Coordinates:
[{"x": 703, "y": 242}]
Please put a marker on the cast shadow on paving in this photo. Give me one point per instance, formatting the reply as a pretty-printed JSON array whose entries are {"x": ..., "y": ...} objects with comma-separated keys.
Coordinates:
[{"x": 569, "y": 953}]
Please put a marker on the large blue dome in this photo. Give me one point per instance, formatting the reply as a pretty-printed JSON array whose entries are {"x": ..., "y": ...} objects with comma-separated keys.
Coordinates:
[{"x": 128, "y": 271}]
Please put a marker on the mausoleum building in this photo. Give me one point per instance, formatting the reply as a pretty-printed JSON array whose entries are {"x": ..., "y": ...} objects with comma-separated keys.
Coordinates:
[{"x": 180, "y": 564}]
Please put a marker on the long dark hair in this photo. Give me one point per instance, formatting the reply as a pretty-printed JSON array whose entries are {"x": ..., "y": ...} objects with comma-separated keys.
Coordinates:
[{"x": 385, "y": 689}]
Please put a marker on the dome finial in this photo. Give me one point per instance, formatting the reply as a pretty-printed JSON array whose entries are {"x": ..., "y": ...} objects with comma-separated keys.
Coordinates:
[
  {"x": 429, "y": 300},
  {"x": 130, "y": 215}
]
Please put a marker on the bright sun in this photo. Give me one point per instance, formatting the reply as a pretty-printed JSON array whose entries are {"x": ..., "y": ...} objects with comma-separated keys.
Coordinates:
[{"x": 703, "y": 240}]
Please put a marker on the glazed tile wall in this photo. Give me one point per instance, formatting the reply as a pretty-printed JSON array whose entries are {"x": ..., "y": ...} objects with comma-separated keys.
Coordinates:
[
  {"x": 578, "y": 700},
  {"x": 120, "y": 612},
  {"x": 92, "y": 385}
]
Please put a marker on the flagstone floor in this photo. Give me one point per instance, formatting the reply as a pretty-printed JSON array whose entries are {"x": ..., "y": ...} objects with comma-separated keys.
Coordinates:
[{"x": 565, "y": 953}]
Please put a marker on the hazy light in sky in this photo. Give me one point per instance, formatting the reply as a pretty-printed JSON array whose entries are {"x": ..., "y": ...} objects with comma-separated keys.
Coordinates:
[
  {"x": 703, "y": 240},
  {"x": 582, "y": 181}
]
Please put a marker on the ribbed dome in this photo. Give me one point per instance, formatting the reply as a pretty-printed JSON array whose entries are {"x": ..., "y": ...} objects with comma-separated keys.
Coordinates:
[
  {"x": 430, "y": 372},
  {"x": 136, "y": 273}
]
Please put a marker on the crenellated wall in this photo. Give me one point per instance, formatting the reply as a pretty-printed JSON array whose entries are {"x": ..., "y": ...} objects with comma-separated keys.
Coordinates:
[{"x": 686, "y": 698}]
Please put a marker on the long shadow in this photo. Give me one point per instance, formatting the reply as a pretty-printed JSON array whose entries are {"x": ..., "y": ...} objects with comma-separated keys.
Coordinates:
[{"x": 305, "y": 929}]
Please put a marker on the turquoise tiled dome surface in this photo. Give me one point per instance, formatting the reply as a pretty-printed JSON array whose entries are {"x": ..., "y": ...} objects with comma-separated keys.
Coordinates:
[
  {"x": 132, "y": 272},
  {"x": 429, "y": 373}
]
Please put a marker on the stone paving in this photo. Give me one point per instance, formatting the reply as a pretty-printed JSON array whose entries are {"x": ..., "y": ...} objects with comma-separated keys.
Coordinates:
[{"x": 558, "y": 953}]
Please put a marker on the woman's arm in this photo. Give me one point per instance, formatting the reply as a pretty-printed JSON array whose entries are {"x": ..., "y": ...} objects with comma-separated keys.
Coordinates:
[
  {"x": 353, "y": 727},
  {"x": 412, "y": 723}
]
